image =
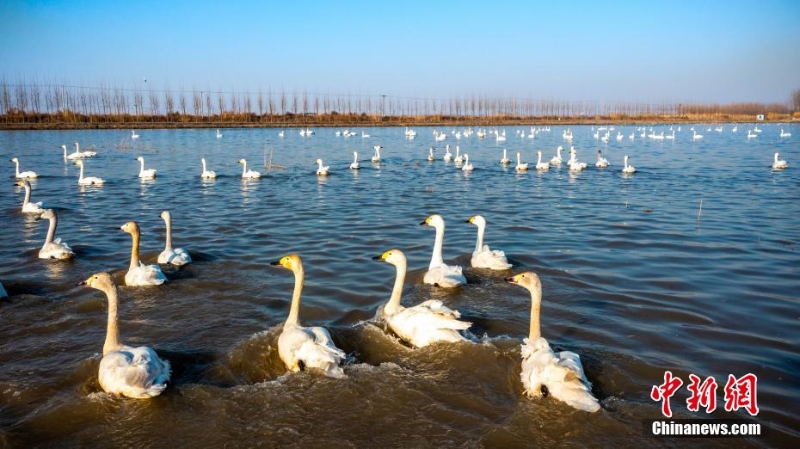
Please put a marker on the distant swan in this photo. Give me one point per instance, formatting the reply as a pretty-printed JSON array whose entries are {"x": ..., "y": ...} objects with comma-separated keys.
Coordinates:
[
  {"x": 248, "y": 174},
  {"x": 573, "y": 163},
  {"x": 305, "y": 347},
  {"x": 505, "y": 160},
  {"x": 562, "y": 374},
  {"x": 150, "y": 173},
  {"x": 82, "y": 154},
  {"x": 377, "y": 156},
  {"x": 448, "y": 156},
  {"x": 628, "y": 168},
  {"x": 354, "y": 165},
  {"x": 53, "y": 248},
  {"x": 541, "y": 165},
  {"x": 88, "y": 181},
  {"x": 423, "y": 324},
  {"x": 556, "y": 160},
  {"x": 207, "y": 174},
  {"x": 785, "y": 134},
  {"x": 27, "y": 206},
  {"x": 322, "y": 171},
  {"x": 467, "y": 166},
  {"x": 482, "y": 256},
  {"x": 138, "y": 273},
  {"x": 219, "y": 134},
  {"x": 438, "y": 273},
  {"x": 431, "y": 157},
  {"x": 601, "y": 161},
  {"x": 459, "y": 158},
  {"x": 520, "y": 166},
  {"x": 779, "y": 164},
  {"x": 177, "y": 256},
  {"x": 25, "y": 174},
  {"x": 133, "y": 372},
  {"x": 134, "y": 135}
]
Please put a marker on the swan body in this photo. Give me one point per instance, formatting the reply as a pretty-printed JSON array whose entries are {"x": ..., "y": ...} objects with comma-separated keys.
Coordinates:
[
  {"x": 467, "y": 166},
  {"x": 139, "y": 274},
  {"x": 423, "y": 324},
  {"x": 601, "y": 161},
  {"x": 541, "y": 165},
  {"x": 248, "y": 174},
  {"x": 25, "y": 174},
  {"x": 431, "y": 157},
  {"x": 78, "y": 154},
  {"x": 505, "y": 160},
  {"x": 150, "y": 173},
  {"x": 573, "y": 163},
  {"x": 482, "y": 256},
  {"x": 90, "y": 180},
  {"x": 53, "y": 248},
  {"x": 561, "y": 373},
  {"x": 628, "y": 168},
  {"x": 176, "y": 256},
  {"x": 134, "y": 136},
  {"x": 779, "y": 164},
  {"x": 322, "y": 171},
  {"x": 132, "y": 372},
  {"x": 448, "y": 156},
  {"x": 439, "y": 273},
  {"x": 305, "y": 347},
  {"x": 520, "y": 166},
  {"x": 29, "y": 207},
  {"x": 219, "y": 134},
  {"x": 354, "y": 165},
  {"x": 207, "y": 174},
  {"x": 556, "y": 160},
  {"x": 377, "y": 156}
]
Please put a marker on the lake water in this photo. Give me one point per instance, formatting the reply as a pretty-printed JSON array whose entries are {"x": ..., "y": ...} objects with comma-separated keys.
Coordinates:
[{"x": 637, "y": 279}]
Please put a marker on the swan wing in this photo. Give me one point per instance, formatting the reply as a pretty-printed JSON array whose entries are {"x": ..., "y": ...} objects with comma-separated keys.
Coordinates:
[
  {"x": 33, "y": 208},
  {"x": 488, "y": 258},
  {"x": 145, "y": 275},
  {"x": 177, "y": 257},
  {"x": 313, "y": 348},
  {"x": 445, "y": 276},
  {"x": 427, "y": 323},
  {"x": 134, "y": 372},
  {"x": 56, "y": 250}
]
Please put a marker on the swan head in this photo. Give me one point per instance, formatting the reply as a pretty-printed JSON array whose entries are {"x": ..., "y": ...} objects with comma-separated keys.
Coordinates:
[
  {"x": 477, "y": 220},
  {"x": 319, "y": 161},
  {"x": 166, "y": 215},
  {"x": 377, "y": 147},
  {"x": 241, "y": 161},
  {"x": 292, "y": 262},
  {"x": 393, "y": 256},
  {"x": 130, "y": 227},
  {"x": 64, "y": 147},
  {"x": 25, "y": 183},
  {"x": 13, "y": 159},
  {"x": 100, "y": 281},
  {"x": 140, "y": 159},
  {"x": 528, "y": 279},
  {"x": 48, "y": 214},
  {"x": 79, "y": 162},
  {"x": 434, "y": 220}
]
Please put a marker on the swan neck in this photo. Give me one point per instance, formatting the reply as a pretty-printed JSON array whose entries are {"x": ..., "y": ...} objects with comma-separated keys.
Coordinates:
[
  {"x": 141, "y": 165},
  {"x": 204, "y": 165},
  {"x": 536, "y": 307},
  {"x": 294, "y": 311},
  {"x": 28, "y": 190},
  {"x": 112, "y": 331},
  {"x": 169, "y": 234},
  {"x": 134, "y": 250},
  {"x": 397, "y": 291},
  {"x": 479, "y": 242},
  {"x": 80, "y": 177},
  {"x": 51, "y": 231},
  {"x": 436, "y": 257},
  {"x": 244, "y": 168},
  {"x": 16, "y": 164}
]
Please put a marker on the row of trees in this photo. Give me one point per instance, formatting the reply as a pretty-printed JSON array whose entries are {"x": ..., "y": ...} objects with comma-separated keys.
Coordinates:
[{"x": 32, "y": 102}]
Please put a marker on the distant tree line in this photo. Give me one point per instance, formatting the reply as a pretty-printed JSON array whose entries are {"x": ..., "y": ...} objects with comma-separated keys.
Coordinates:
[{"x": 109, "y": 104}]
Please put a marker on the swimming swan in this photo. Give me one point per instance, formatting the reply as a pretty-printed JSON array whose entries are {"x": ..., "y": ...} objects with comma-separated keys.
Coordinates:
[
  {"x": 134, "y": 135},
  {"x": 556, "y": 160},
  {"x": 438, "y": 273},
  {"x": 482, "y": 256},
  {"x": 248, "y": 174},
  {"x": 505, "y": 160},
  {"x": 448, "y": 156},
  {"x": 628, "y": 168},
  {"x": 431, "y": 157},
  {"x": 354, "y": 165},
  {"x": 459, "y": 158},
  {"x": 423, "y": 324},
  {"x": 305, "y": 347},
  {"x": 133, "y": 372},
  {"x": 139, "y": 274},
  {"x": 779, "y": 164},
  {"x": 520, "y": 166},
  {"x": 207, "y": 174},
  {"x": 25, "y": 174},
  {"x": 377, "y": 156},
  {"x": 177, "y": 256},
  {"x": 88, "y": 181},
  {"x": 561, "y": 373},
  {"x": 541, "y": 165},
  {"x": 82, "y": 154},
  {"x": 219, "y": 134},
  {"x": 322, "y": 171},
  {"x": 467, "y": 166},
  {"x": 27, "y": 206},
  {"x": 150, "y": 173},
  {"x": 601, "y": 161},
  {"x": 53, "y": 248},
  {"x": 573, "y": 163}
]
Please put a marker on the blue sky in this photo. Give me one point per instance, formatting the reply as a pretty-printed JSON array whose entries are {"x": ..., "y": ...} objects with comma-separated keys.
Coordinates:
[{"x": 614, "y": 51}]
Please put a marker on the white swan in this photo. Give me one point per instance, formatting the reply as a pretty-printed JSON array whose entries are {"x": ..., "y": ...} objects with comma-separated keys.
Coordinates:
[
  {"x": 696, "y": 136},
  {"x": 248, "y": 174},
  {"x": 505, "y": 160},
  {"x": 219, "y": 134},
  {"x": 779, "y": 164},
  {"x": 520, "y": 166},
  {"x": 459, "y": 158},
  {"x": 322, "y": 171},
  {"x": 281, "y": 134},
  {"x": 70, "y": 156},
  {"x": 467, "y": 166},
  {"x": 134, "y": 135},
  {"x": 628, "y": 168},
  {"x": 431, "y": 157},
  {"x": 176, "y": 256},
  {"x": 138, "y": 273},
  {"x": 601, "y": 161},
  {"x": 133, "y": 372},
  {"x": 354, "y": 165},
  {"x": 556, "y": 160},
  {"x": 29, "y": 207},
  {"x": 305, "y": 347},
  {"x": 482, "y": 256},
  {"x": 561, "y": 373},
  {"x": 25, "y": 174},
  {"x": 423, "y": 324},
  {"x": 573, "y": 163},
  {"x": 448, "y": 156},
  {"x": 785, "y": 134},
  {"x": 150, "y": 173},
  {"x": 53, "y": 248},
  {"x": 88, "y": 181},
  {"x": 541, "y": 165},
  {"x": 377, "y": 156},
  {"x": 207, "y": 174},
  {"x": 438, "y": 273},
  {"x": 82, "y": 154}
]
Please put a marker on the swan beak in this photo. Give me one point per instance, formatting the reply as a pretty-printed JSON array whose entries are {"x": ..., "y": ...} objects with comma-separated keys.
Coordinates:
[
  {"x": 383, "y": 256},
  {"x": 426, "y": 221},
  {"x": 276, "y": 263},
  {"x": 378, "y": 257},
  {"x": 471, "y": 219},
  {"x": 511, "y": 279}
]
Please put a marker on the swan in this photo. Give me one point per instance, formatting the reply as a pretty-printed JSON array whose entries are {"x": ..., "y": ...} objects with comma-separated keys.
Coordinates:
[
  {"x": 134, "y": 135},
  {"x": 281, "y": 134},
  {"x": 88, "y": 181},
  {"x": 177, "y": 256},
  {"x": 377, "y": 156},
  {"x": 467, "y": 166},
  {"x": 601, "y": 161},
  {"x": 573, "y": 163},
  {"x": 556, "y": 160},
  {"x": 53, "y": 248},
  {"x": 779, "y": 164},
  {"x": 438, "y": 273},
  {"x": 207, "y": 174},
  {"x": 70, "y": 156},
  {"x": 785, "y": 134},
  {"x": 150, "y": 173},
  {"x": 354, "y": 165},
  {"x": 322, "y": 171},
  {"x": 482, "y": 256},
  {"x": 520, "y": 166},
  {"x": 505, "y": 160},
  {"x": 25, "y": 174},
  {"x": 751, "y": 134},
  {"x": 696, "y": 136},
  {"x": 459, "y": 159},
  {"x": 133, "y": 372},
  {"x": 448, "y": 156},
  {"x": 561, "y": 373},
  {"x": 431, "y": 157},
  {"x": 82, "y": 154},
  {"x": 219, "y": 134},
  {"x": 541, "y": 165},
  {"x": 29, "y": 207},
  {"x": 248, "y": 174},
  {"x": 305, "y": 347},
  {"x": 139, "y": 274},
  {"x": 423, "y": 324},
  {"x": 628, "y": 168},
  {"x": 364, "y": 135}
]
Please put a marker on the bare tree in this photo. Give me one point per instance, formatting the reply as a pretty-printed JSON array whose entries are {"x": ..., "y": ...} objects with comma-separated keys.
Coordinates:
[{"x": 794, "y": 103}]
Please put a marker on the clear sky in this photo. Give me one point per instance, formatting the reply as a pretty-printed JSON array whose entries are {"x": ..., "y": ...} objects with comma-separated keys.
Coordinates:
[{"x": 647, "y": 51}]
